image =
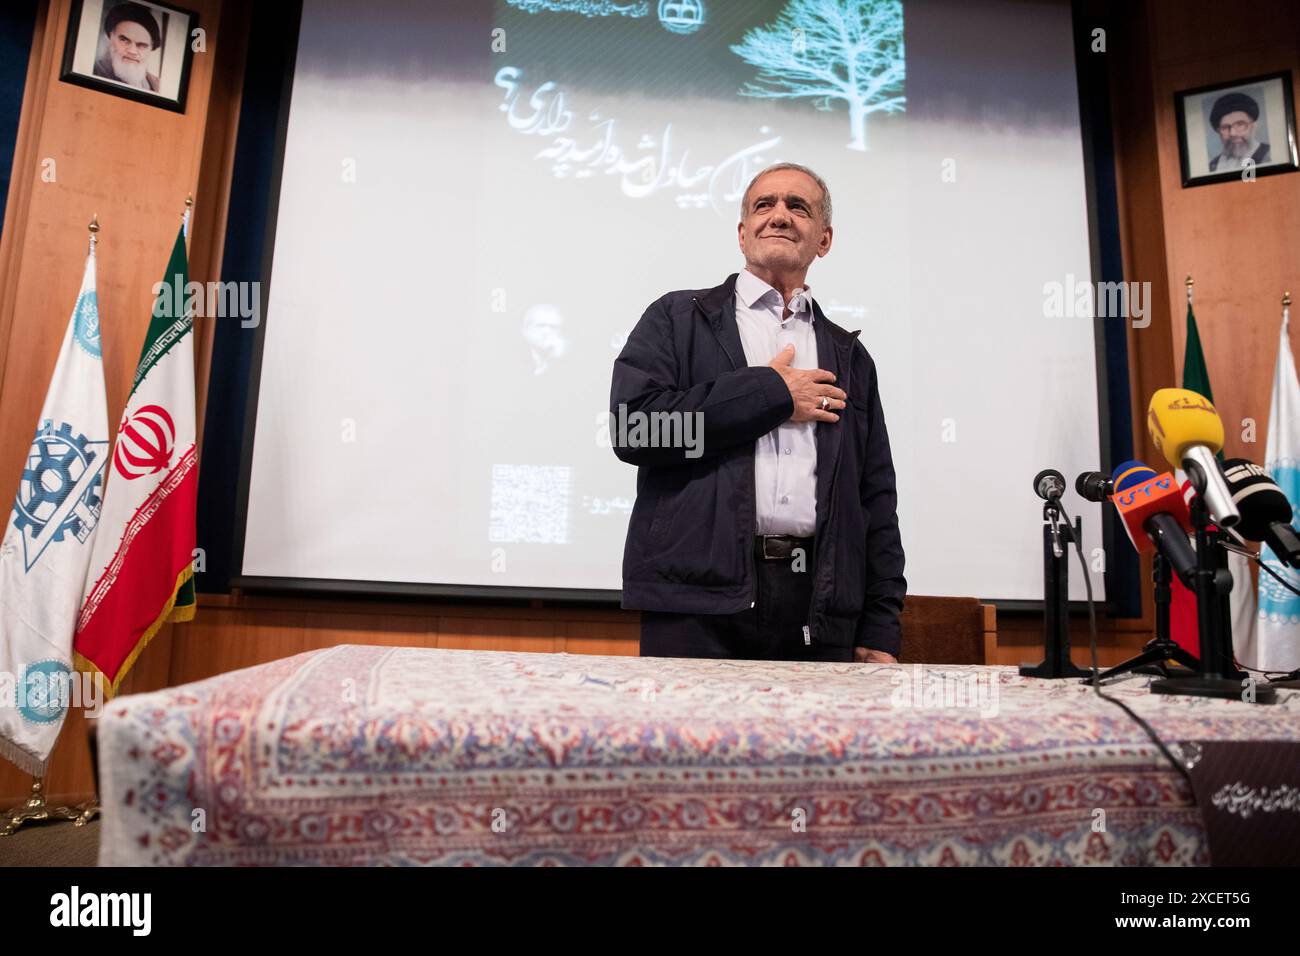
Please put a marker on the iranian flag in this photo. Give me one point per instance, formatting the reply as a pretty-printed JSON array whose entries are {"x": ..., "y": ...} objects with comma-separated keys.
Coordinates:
[{"x": 141, "y": 570}]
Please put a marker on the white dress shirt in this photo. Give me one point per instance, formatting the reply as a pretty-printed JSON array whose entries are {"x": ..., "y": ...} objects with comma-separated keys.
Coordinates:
[{"x": 785, "y": 459}]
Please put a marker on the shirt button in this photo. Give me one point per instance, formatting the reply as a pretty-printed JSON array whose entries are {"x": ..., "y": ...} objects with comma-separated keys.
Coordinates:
[
  {"x": 785, "y": 499},
  {"x": 787, "y": 451}
]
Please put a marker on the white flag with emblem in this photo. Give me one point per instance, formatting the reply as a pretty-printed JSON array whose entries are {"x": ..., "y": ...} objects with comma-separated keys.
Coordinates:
[
  {"x": 47, "y": 545},
  {"x": 1277, "y": 637}
]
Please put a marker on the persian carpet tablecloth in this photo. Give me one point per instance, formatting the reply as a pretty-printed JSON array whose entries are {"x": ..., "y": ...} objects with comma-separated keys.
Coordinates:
[{"x": 358, "y": 755}]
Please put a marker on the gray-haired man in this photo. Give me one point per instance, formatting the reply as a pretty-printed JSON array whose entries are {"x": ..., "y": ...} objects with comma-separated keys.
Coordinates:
[{"x": 777, "y": 538}]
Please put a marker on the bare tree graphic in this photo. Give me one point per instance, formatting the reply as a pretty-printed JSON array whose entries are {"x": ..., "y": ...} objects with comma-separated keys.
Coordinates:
[{"x": 850, "y": 50}]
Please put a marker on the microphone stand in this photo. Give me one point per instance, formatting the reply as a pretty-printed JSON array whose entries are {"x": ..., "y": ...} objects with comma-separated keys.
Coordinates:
[
  {"x": 1162, "y": 647},
  {"x": 1057, "y": 538},
  {"x": 1216, "y": 675}
]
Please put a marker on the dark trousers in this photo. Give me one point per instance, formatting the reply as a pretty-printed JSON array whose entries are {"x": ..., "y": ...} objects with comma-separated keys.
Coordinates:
[{"x": 773, "y": 629}]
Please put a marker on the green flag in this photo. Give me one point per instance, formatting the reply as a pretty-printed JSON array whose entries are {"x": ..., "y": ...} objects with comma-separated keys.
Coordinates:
[{"x": 1196, "y": 377}]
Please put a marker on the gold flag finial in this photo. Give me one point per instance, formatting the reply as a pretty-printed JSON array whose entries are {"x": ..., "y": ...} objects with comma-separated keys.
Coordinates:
[
  {"x": 1188, "y": 281},
  {"x": 94, "y": 224},
  {"x": 1286, "y": 298}
]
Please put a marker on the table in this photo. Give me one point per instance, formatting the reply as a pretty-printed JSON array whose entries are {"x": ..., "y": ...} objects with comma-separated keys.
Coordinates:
[{"x": 362, "y": 755}]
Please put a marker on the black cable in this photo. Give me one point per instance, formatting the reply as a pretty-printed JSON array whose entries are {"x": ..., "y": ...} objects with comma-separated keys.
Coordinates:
[
  {"x": 1096, "y": 671},
  {"x": 1268, "y": 675}
]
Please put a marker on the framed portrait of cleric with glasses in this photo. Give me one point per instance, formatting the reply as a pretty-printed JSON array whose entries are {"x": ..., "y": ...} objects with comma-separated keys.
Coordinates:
[
  {"x": 1236, "y": 131},
  {"x": 131, "y": 48}
]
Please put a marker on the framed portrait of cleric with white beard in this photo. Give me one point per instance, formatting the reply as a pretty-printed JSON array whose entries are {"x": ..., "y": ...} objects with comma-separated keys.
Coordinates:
[
  {"x": 1236, "y": 131},
  {"x": 131, "y": 48}
]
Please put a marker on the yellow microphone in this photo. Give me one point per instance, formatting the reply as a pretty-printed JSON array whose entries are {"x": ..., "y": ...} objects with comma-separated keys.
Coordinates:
[{"x": 1189, "y": 433}]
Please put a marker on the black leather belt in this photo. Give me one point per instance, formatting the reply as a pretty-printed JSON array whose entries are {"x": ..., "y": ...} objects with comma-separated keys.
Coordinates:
[{"x": 780, "y": 547}]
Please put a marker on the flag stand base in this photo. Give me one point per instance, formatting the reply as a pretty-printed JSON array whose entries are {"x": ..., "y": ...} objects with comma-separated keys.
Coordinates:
[{"x": 36, "y": 809}]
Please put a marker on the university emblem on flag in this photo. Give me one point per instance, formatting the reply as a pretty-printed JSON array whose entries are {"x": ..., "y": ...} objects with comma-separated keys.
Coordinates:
[
  {"x": 1279, "y": 604},
  {"x": 45, "y": 691},
  {"x": 59, "y": 493},
  {"x": 144, "y": 442},
  {"x": 86, "y": 323}
]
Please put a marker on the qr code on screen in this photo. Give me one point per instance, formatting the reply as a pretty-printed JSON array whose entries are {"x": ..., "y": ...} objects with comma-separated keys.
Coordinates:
[{"x": 530, "y": 504}]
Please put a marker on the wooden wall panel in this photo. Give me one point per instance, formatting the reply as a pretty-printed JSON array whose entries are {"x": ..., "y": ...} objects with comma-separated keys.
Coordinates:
[
  {"x": 133, "y": 165},
  {"x": 216, "y": 164},
  {"x": 1142, "y": 221},
  {"x": 232, "y": 632},
  {"x": 1237, "y": 239}
]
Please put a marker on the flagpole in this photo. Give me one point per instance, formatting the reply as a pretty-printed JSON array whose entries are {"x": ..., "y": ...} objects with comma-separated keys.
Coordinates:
[
  {"x": 36, "y": 808},
  {"x": 1188, "y": 282}
]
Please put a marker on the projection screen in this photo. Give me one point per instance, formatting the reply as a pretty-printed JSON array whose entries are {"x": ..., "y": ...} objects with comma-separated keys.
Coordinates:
[{"x": 478, "y": 200}]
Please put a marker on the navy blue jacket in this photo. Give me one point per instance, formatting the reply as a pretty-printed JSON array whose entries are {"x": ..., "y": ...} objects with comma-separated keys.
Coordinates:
[{"x": 690, "y": 539}]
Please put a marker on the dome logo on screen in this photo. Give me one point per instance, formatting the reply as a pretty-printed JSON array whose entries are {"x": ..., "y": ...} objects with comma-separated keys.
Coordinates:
[{"x": 681, "y": 16}]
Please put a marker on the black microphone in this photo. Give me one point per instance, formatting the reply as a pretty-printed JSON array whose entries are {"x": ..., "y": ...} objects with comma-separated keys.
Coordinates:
[
  {"x": 1049, "y": 484},
  {"x": 1265, "y": 511},
  {"x": 1094, "y": 486}
]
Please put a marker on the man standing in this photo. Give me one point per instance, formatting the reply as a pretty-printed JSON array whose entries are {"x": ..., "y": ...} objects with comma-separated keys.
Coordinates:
[
  {"x": 133, "y": 35},
  {"x": 775, "y": 534},
  {"x": 1233, "y": 116}
]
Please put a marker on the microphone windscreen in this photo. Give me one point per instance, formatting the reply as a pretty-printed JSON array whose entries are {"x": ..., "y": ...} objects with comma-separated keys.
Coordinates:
[
  {"x": 1131, "y": 473},
  {"x": 1258, "y": 498},
  {"x": 1158, "y": 494},
  {"x": 1179, "y": 418},
  {"x": 1049, "y": 482},
  {"x": 1094, "y": 486}
]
